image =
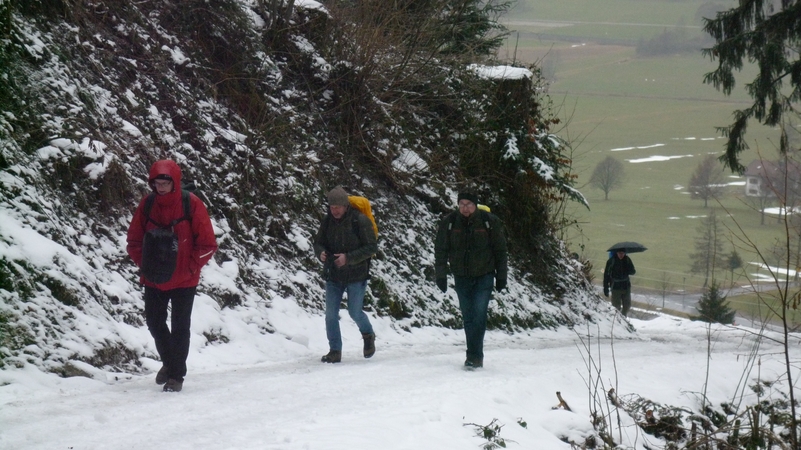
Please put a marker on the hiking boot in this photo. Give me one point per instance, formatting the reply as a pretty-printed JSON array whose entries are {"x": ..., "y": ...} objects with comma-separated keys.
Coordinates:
[
  {"x": 333, "y": 356},
  {"x": 369, "y": 344},
  {"x": 473, "y": 363},
  {"x": 173, "y": 385},
  {"x": 162, "y": 376}
]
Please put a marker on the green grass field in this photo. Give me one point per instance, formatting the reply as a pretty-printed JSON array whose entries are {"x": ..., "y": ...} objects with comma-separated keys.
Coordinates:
[
  {"x": 753, "y": 309},
  {"x": 608, "y": 11},
  {"x": 612, "y": 99}
]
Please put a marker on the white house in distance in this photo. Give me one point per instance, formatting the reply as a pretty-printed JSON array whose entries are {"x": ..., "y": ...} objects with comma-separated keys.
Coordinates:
[
  {"x": 767, "y": 178},
  {"x": 755, "y": 180}
]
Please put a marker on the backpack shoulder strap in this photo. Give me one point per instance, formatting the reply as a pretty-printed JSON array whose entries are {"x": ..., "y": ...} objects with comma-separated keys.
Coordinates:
[
  {"x": 324, "y": 230},
  {"x": 355, "y": 222},
  {"x": 452, "y": 220},
  {"x": 148, "y": 206},
  {"x": 485, "y": 217},
  {"x": 187, "y": 201},
  {"x": 187, "y": 206}
]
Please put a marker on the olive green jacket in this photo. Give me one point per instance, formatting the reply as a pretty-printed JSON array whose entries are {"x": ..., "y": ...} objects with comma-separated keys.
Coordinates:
[
  {"x": 353, "y": 235},
  {"x": 470, "y": 247}
]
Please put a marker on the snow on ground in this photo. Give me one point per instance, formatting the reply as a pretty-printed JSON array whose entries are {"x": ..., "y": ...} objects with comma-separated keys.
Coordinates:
[
  {"x": 413, "y": 394},
  {"x": 657, "y": 158}
]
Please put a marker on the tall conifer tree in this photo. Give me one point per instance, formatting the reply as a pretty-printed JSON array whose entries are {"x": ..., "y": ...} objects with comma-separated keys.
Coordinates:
[{"x": 768, "y": 34}]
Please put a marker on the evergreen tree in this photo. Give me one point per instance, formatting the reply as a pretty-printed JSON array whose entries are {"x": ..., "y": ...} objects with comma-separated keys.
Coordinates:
[
  {"x": 470, "y": 27},
  {"x": 768, "y": 34},
  {"x": 713, "y": 307}
]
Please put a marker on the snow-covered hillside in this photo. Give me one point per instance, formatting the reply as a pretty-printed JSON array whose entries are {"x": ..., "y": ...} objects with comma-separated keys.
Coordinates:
[{"x": 92, "y": 97}]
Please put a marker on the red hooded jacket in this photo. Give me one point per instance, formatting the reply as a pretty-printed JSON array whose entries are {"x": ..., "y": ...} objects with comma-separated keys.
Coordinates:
[{"x": 196, "y": 241}]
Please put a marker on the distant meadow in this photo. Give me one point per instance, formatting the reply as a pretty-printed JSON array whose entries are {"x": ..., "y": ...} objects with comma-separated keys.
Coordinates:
[{"x": 654, "y": 114}]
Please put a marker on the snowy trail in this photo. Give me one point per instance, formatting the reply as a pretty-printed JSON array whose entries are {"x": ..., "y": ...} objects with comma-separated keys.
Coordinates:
[{"x": 412, "y": 394}]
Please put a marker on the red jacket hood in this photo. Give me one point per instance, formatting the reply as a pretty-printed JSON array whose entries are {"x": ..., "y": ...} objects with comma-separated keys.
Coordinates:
[{"x": 166, "y": 167}]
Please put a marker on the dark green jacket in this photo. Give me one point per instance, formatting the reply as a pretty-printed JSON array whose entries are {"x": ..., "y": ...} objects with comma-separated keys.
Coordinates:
[
  {"x": 617, "y": 271},
  {"x": 353, "y": 235},
  {"x": 470, "y": 246}
]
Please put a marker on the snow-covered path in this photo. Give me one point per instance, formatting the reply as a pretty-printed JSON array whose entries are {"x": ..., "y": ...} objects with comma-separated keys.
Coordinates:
[{"x": 413, "y": 394}]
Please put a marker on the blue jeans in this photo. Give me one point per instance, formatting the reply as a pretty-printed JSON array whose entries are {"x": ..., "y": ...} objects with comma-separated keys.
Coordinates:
[
  {"x": 474, "y": 296},
  {"x": 333, "y": 297}
]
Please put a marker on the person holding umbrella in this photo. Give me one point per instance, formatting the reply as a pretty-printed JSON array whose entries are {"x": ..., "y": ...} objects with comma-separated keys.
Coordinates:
[{"x": 616, "y": 275}]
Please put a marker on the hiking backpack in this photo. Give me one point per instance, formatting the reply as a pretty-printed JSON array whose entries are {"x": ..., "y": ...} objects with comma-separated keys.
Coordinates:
[
  {"x": 363, "y": 205},
  {"x": 360, "y": 204},
  {"x": 160, "y": 244}
]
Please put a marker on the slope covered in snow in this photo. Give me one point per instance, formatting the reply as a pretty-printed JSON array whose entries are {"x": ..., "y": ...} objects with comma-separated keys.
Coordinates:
[{"x": 255, "y": 110}]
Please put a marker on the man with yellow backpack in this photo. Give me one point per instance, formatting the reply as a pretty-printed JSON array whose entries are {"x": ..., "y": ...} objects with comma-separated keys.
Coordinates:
[{"x": 345, "y": 242}]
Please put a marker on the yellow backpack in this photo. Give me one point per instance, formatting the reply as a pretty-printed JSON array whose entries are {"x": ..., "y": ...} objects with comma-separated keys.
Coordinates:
[{"x": 363, "y": 205}]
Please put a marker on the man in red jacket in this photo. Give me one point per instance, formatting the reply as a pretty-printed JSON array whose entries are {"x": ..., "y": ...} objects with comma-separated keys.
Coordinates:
[{"x": 195, "y": 246}]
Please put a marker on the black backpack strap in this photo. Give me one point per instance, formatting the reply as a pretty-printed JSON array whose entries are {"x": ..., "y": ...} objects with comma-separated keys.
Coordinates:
[
  {"x": 151, "y": 198},
  {"x": 187, "y": 206},
  {"x": 452, "y": 222},
  {"x": 186, "y": 201},
  {"x": 356, "y": 230},
  {"x": 327, "y": 223},
  {"x": 484, "y": 218},
  {"x": 148, "y": 206},
  {"x": 355, "y": 224},
  {"x": 452, "y": 216},
  {"x": 324, "y": 231}
]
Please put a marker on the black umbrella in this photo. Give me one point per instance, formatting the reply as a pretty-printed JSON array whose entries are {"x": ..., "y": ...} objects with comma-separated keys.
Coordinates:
[{"x": 628, "y": 247}]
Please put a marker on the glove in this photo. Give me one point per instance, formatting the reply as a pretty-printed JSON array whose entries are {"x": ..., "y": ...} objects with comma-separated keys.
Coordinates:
[
  {"x": 442, "y": 284},
  {"x": 500, "y": 284},
  {"x": 606, "y": 292}
]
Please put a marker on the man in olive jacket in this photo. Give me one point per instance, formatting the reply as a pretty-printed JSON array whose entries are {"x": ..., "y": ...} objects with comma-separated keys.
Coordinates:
[
  {"x": 345, "y": 243},
  {"x": 471, "y": 243}
]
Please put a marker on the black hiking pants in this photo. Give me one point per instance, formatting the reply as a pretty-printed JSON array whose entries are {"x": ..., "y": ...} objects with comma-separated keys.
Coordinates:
[{"x": 172, "y": 342}]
